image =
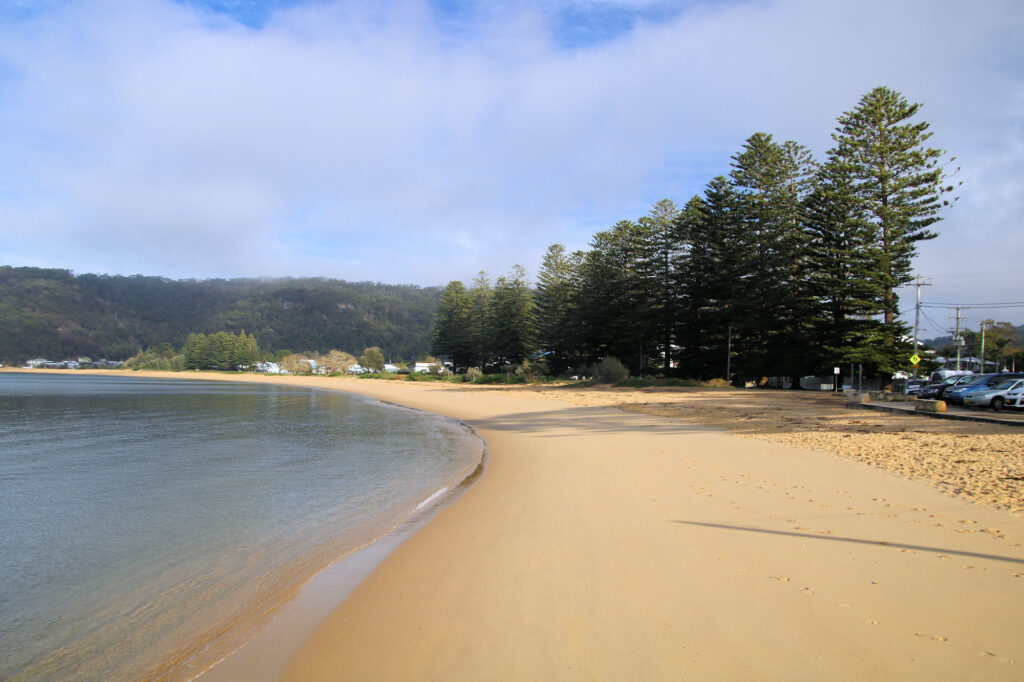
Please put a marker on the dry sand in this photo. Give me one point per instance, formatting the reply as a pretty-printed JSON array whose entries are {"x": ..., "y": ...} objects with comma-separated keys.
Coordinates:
[
  {"x": 610, "y": 545},
  {"x": 643, "y": 544}
]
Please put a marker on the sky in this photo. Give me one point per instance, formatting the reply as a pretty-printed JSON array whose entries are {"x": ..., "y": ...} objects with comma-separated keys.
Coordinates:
[{"x": 421, "y": 141}]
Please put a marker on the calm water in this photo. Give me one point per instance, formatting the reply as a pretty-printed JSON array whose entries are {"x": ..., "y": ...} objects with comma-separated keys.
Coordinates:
[{"x": 146, "y": 524}]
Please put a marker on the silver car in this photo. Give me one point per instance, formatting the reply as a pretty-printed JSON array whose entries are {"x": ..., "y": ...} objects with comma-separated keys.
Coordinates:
[{"x": 994, "y": 397}]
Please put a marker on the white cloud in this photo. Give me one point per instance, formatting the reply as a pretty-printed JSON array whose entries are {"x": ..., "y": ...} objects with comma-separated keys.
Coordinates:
[{"x": 394, "y": 144}]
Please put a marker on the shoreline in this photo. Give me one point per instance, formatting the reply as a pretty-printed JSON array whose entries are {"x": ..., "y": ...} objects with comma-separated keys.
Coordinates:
[
  {"x": 608, "y": 544},
  {"x": 258, "y": 648}
]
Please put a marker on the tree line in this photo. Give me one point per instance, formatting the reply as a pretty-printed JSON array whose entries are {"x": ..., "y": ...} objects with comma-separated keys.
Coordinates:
[
  {"x": 56, "y": 314},
  {"x": 786, "y": 266}
]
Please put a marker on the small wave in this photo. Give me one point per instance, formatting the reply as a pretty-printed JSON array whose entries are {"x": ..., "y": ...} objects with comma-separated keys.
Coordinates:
[{"x": 427, "y": 502}]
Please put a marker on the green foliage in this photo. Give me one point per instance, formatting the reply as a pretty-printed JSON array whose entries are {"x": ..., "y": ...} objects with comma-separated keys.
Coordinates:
[
  {"x": 533, "y": 369},
  {"x": 486, "y": 326},
  {"x": 453, "y": 327},
  {"x": 669, "y": 382},
  {"x": 501, "y": 379},
  {"x": 556, "y": 311},
  {"x": 372, "y": 359},
  {"x": 422, "y": 376},
  {"x": 382, "y": 376},
  {"x": 781, "y": 268},
  {"x": 773, "y": 305},
  {"x": 896, "y": 186},
  {"x": 512, "y": 322},
  {"x": 57, "y": 315},
  {"x": 160, "y": 359},
  {"x": 610, "y": 371},
  {"x": 220, "y": 351}
]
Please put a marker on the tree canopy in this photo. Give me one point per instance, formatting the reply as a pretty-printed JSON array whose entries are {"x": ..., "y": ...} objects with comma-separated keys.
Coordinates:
[{"x": 784, "y": 267}]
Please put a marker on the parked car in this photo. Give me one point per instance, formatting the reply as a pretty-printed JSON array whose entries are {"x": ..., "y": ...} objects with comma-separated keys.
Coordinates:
[
  {"x": 981, "y": 382},
  {"x": 943, "y": 374},
  {"x": 954, "y": 396},
  {"x": 938, "y": 390},
  {"x": 994, "y": 397},
  {"x": 1014, "y": 398},
  {"x": 915, "y": 385}
]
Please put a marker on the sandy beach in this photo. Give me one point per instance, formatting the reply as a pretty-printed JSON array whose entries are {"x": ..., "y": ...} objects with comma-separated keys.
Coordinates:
[{"x": 663, "y": 534}]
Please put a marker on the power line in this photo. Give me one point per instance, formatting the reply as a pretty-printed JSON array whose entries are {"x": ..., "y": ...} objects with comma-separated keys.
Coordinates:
[
  {"x": 983, "y": 273},
  {"x": 1011, "y": 304},
  {"x": 938, "y": 327}
]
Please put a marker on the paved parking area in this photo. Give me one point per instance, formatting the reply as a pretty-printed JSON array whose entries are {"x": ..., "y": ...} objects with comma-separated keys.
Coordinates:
[{"x": 977, "y": 414}]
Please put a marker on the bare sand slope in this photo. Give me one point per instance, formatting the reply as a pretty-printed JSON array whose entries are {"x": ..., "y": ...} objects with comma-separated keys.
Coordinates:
[{"x": 605, "y": 545}]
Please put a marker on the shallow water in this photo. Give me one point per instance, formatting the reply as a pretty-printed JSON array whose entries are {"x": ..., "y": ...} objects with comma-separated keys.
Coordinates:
[{"x": 146, "y": 524}]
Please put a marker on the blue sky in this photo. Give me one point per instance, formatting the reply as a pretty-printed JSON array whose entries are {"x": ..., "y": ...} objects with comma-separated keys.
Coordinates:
[{"x": 418, "y": 141}]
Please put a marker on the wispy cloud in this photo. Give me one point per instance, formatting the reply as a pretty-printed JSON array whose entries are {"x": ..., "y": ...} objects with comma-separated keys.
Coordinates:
[{"x": 416, "y": 141}]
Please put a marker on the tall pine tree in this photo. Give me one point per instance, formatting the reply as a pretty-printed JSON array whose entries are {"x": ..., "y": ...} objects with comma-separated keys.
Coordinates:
[
  {"x": 896, "y": 180},
  {"x": 513, "y": 325},
  {"x": 453, "y": 326},
  {"x": 556, "y": 309}
]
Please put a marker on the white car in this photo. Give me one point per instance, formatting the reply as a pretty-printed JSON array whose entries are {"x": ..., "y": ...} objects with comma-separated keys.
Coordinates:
[{"x": 1014, "y": 397}]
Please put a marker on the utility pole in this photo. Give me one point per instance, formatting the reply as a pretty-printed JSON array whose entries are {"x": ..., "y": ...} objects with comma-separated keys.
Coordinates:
[
  {"x": 728, "y": 356},
  {"x": 920, "y": 282},
  {"x": 984, "y": 323},
  {"x": 958, "y": 339}
]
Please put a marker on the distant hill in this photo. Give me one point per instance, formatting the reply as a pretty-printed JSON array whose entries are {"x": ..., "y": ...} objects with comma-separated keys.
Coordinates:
[{"x": 56, "y": 314}]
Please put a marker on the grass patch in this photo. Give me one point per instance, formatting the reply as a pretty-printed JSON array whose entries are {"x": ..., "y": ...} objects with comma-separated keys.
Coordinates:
[{"x": 662, "y": 382}]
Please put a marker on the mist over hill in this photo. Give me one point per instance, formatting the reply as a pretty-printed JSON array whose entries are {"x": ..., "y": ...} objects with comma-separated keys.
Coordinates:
[{"x": 56, "y": 314}]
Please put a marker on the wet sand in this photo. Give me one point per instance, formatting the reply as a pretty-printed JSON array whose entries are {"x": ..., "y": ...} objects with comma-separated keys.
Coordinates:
[{"x": 648, "y": 543}]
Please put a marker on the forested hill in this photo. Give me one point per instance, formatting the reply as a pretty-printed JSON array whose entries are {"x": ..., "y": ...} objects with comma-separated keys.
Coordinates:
[{"x": 56, "y": 314}]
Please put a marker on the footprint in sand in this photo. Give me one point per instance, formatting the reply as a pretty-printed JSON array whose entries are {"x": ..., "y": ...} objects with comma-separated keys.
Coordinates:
[
  {"x": 992, "y": 655},
  {"x": 780, "y": 578},
  {"x": 843, "y": 605},
  {"x": 807, "y": 590},
  {"x": 872, "y": 622},
  {"x": 937, "y": 638},
  {"x": 975, "y": 568}
]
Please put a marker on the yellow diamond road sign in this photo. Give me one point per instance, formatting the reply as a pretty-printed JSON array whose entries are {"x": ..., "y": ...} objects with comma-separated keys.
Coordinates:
[{"x": 915, "y": 358}]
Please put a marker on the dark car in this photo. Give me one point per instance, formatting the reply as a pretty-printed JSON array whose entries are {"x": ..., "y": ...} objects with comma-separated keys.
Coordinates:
[
  {"x": 938, "y": 390},
  {"x": 915, "y": 385},
  {"x": 980, "y": 383}
]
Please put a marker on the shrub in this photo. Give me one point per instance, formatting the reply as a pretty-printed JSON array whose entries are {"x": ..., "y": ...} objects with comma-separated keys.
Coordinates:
[
  {"x": 501, "y": 379},
  {"x": 422, "y": 376},
  {"x": 534, "y": 369},
  {"x": 472, "y": 375},
  {"x": 610, "y": 371}
]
